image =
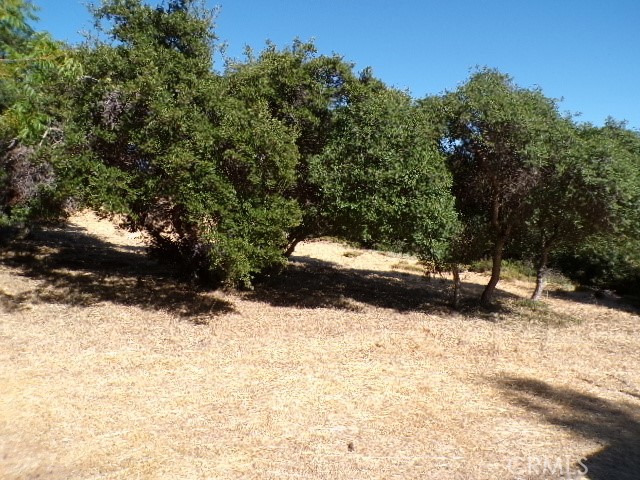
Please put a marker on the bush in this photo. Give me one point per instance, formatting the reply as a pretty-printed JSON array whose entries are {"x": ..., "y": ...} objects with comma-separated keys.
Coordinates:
[
  {"x": 26, "y": 188},
  {"x": 384, "y": 183},
  {"x": 605, "y": 263}
]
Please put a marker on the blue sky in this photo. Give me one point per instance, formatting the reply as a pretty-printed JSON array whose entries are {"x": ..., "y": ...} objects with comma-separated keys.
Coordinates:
[{"x": 584, "y": 51}]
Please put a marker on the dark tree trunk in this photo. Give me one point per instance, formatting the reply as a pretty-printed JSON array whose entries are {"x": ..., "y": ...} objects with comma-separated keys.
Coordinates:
[
  {"x": 487, "y": 296},
  {"x": 541, "y": 275},
  {"x": 297, "y": 235},
  {"x": 291, "y": 247},
  {"x": 455, "y": 270}
]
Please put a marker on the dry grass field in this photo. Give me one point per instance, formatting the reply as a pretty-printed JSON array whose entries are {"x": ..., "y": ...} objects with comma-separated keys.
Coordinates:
[{"x": 348, "y": 366}]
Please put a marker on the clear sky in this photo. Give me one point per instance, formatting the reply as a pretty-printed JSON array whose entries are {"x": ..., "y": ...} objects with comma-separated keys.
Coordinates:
[{"x": 584, "y": 51}]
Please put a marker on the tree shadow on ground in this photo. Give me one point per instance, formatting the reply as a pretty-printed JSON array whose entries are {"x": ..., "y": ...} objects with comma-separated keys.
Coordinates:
[
  {"x": 74, "y": 268},
  {"x": 312, "y": 283},
  {"x": 597, "y": 298},
  {"x": 614, "y": 425}
]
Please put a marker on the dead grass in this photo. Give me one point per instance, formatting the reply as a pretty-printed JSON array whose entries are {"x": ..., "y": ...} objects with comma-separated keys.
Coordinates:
[
  {"x": 408, "y": 267},
  {"x": 343, "y": 368}
]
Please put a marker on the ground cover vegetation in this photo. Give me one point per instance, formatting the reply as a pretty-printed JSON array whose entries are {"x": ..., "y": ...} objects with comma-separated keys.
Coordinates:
[{"x": 227, "y": 170}]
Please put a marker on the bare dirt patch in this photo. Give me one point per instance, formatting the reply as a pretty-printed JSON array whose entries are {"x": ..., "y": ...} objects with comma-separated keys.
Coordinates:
[{"x": 343, "y": 367}]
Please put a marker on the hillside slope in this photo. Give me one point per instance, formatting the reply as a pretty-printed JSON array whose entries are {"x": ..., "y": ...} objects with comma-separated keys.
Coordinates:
[{"x": 349, "y": 365}]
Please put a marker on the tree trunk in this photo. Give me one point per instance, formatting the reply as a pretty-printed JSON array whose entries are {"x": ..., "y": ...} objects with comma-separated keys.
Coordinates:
[
  {"x": 455, "y": 270},
  {"x": 541, "y": 275},
  {"x": 487, "y": 296},
  {"x": 292, "y": 246}
]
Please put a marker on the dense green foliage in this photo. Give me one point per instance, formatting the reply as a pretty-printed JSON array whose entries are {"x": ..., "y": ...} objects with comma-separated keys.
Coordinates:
[
  {"x": 609, "y": 258},
  {"x": 383, "y": 180},
  {"x": 529, "y": 181},
  {"x": 498, "y": 138},
  {"x": 227, "y": 171},
  {"x": 156, "y": 135},
  {"x": 302, "y": 90},
  {"x": 607, "y": 262},
  {"x": 589, "y": 189}
]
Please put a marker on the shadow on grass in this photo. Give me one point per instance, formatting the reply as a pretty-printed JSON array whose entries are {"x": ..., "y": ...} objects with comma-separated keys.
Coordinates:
[
  {"x": 311, "y": 283},
  {"x": 598, "y": 298},
  {"x": 616, "y": 426},
  {"x": 74, "y": 268}
]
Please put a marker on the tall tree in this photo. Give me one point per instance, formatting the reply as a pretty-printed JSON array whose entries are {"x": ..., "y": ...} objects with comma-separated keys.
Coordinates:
[{"x": 497, "y": 138}]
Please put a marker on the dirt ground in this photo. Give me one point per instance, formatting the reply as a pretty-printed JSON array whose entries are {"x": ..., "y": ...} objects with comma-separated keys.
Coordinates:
[{"x": 350, "y": 365}]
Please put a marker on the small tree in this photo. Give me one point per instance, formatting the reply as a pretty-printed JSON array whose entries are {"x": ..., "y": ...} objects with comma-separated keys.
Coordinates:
[
  {"x": 587, "y": 190},
  {"x": 302, "y": 90},
  {"x": 382, "y": 177}
]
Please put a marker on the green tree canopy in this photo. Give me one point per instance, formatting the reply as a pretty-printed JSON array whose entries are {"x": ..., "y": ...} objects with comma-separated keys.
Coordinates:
[
  {"x": 498, "y": 139},
  {"x": 590, "y": 187},
  {"x": 609, "y": 256},
  {"x": 383, "y": 180},
  {"x": 155, "y": 134},
  {"x": 303, "y": 90},
  {"x": 32, "y": 64}
]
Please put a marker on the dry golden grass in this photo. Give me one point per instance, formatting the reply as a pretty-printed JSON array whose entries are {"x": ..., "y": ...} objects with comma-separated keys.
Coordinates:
[{"x": 342, "y": 368}]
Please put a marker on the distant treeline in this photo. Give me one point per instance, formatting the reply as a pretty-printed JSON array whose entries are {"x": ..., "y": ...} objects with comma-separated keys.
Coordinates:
[{"x": 228, "y": 171}]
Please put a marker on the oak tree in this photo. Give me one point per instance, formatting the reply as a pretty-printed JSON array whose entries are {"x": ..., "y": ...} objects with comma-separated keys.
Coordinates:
[{"x": 497, "y": 138}]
